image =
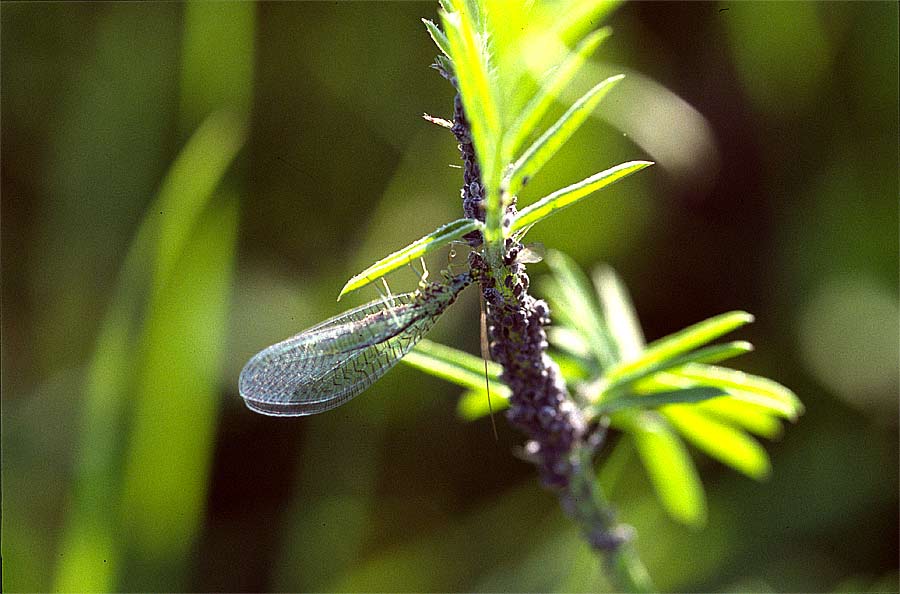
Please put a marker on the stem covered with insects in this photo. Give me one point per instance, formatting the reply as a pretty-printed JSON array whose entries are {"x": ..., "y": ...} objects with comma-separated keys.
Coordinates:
[{"x": 560, "y": 443}]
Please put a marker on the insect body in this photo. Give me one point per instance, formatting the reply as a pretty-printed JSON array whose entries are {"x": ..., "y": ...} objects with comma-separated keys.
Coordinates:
[{"x": 330, "y": 363}]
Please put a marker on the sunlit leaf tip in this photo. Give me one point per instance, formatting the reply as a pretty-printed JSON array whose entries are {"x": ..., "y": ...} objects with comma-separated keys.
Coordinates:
[
  {"x": 542, "y": 150},
  {"x": 440, "y": 40},
  {"x": 434, "y": 240},
  {"x": 569, "y": 195},
  {"x": 551, "y": 88}
]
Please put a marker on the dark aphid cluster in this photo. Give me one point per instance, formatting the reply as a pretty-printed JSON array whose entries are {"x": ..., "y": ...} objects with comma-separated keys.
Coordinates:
[{"x": 539, "y": 405}]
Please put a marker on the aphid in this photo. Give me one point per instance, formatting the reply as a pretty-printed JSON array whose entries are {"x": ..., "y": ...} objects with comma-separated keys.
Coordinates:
[{"x": 330, "y": 363}]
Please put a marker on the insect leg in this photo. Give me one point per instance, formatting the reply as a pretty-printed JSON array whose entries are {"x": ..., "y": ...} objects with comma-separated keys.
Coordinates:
[{"x": 389, "y": 301}]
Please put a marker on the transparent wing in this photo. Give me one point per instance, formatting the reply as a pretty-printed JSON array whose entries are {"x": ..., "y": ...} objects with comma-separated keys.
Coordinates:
[
  {"x": 330, "y": 363},
  {"x": 295, "y": 377},
  {"x": 373, "y": 322}
]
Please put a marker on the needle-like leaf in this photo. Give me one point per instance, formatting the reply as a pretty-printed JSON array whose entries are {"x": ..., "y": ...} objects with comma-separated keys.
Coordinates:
[
  {"x": 537, "y": 155},
  {"x": 668, "y": 464},
  {"x": 473, "y": 404},
  {"x": 549, "y": 91},
  {"x": 618, "y": 310},
  {"x": 471, "y": 64},
  {"x": 710, "y": 354},
  {"x": 455, "y": 366},
  {"x": 438, "y": 37},
  {"x": 745, "y": 386},
  {"x": 434, "y": 240},
  {"x": 569, "y": 195},
  {"x": 573, "y": 299},
  {"x": 720, "y": 440},
  {"x": 681, "y": 342},
  {"x": 742, "y": 414},
  {"x": 657, "y": 399}
]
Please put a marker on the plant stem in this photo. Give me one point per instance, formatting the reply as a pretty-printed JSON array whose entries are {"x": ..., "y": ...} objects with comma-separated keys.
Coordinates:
[{"x": 559, "y": 439}]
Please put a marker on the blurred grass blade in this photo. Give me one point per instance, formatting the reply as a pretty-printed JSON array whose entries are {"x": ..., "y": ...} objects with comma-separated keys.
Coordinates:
[
  {"x": 710, "y": 354},
  {"x": 619, "y": 313},
  {"x": 89, "y": 553},
  {"x": 453, "y": 365},
  {"x": 176, "y": 399},
  {"x": 434, "y": 240},
  {"x": 745, "y": 386},
  {"x": 543, "y": 149},
  {"x": 723, "y": 442},
  {"x": 575, "y": 302},
  {"x": 569, "y": 195},
  {"x": 681, "y": 342},
  {"x": 440, "y": 40},
  {"x": 93, "y": 523},
  {"x": 217, "y": 62},
  {"x": 471, "y": 63},
  {"x": 473, "y": 404},
  {"x": 656, "y": 399},
  {"x": 668, "y": 463},
  {"x": 550, "y": 89},
  {"x": 190, "y": 182},
  {"x": 582, "y": 16}
]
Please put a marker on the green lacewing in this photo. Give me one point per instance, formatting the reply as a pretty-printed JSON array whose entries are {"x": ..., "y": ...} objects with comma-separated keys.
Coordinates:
[{"x": 327, "y": 365}]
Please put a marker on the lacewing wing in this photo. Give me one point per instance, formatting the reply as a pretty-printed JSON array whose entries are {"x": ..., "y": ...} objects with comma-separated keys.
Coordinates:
[{"x": 330, "y": 363}]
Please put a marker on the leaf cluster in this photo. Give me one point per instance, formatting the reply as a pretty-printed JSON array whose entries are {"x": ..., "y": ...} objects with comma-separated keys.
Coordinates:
[
  {"x": 659, "y": 394},
  {"x": 512, "y": 143}
]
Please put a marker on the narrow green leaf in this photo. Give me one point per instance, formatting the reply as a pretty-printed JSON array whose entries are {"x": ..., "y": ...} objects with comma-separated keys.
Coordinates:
[
  {"x": 464, "y": 370},
  {"x": 656, "y": 399},
  {"x": 434, "y": 240},
  {"x": 573, "y": 299},
  {"x": 471, "y": 64},
  {"x": 453, "y": 365},
  {"x": 721, "y": 441},
  {"x": 682, "y": 342},
  {"x": 745, "y": 386},
  {"x": 570, "y": 341},
  {"x": 537, "y": 155},
  {"x": 710, "y": 354},
  {"x": 550, "y": 89},
  {"x": 748, "y": 407},
  {"x": 440, "y": 40},
  {"x": 473, "y": 404},
  {"x": 574, "y": 369},
  {"x": 619, "y": 313},
  {"x": 747, "y": 416},
  {"x": 668, "y": 463},
  {"x": 569, "y": 195}
]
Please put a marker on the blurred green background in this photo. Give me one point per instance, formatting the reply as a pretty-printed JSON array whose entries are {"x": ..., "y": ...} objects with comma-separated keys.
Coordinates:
[{"x": 184, "y": 184}]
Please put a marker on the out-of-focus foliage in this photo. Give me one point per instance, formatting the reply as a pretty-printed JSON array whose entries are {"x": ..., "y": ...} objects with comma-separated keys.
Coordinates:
[
  {"x": 773, "y": 126},
  {"x": 673, "y": 374}
]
